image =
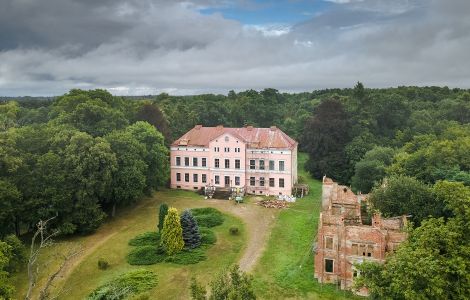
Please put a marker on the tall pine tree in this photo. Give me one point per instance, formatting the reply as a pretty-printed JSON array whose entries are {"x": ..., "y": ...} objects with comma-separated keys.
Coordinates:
[
  {"x": 161, "y": 215},
  {"x": 191, "y": 236},
  {"x": 172, "y": 233}
]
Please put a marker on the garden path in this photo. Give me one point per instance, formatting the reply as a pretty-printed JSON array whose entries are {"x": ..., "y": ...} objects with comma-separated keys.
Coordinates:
[{"x": 258, "y": 221}]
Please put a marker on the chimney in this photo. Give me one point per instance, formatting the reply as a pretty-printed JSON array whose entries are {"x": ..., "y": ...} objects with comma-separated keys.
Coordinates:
[
  {"x": 273, "y": 128},
  {"x": 197, "y": 127},
  {"x": 249, "y": 128},
  {"x": 220, "y": 126}
]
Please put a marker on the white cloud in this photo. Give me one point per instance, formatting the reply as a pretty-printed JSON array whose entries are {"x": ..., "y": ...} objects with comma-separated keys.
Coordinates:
[{"x": 141, "y": 47}]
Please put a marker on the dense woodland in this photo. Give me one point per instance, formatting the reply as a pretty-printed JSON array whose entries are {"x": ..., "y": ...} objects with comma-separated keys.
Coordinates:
[{"x": 80, "y": 155}]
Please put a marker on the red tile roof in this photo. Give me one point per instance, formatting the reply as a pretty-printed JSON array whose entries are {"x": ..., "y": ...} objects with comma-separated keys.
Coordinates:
[{"x": 262, "y": 138}]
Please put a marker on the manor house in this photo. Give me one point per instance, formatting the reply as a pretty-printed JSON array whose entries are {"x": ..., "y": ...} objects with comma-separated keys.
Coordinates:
[{"x": 260, "y": 161}]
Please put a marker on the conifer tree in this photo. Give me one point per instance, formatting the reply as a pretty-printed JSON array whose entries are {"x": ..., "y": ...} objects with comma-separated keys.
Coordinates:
[
  {"x": 191, "y": 236},
  {"x": 172, "y": 233},
  {"x": 161, "y": 215}
]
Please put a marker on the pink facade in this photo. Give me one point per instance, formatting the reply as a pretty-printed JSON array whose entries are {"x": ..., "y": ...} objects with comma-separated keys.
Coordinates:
[{"x": 261, "y": 160}]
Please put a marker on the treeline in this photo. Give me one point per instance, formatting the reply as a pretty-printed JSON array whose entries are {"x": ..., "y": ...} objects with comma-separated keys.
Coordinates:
[{"x": 77, "y": 159}]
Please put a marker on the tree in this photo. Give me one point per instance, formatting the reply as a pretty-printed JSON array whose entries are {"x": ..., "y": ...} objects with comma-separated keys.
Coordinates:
[
  {"x": 6, "y": 287},
  {"x": 325, "y": 136},
  {"x": 8, "y": 115},
  {"x": 9, "y": 197},
  {"x": 161, "y": 216},
  {"x": 18, "y": 253},
  {"x": 172, "y": 233},
  {"x": 372, "y": 168},
  {"x": 434, "y": 262},
  {"x": 191, "y": 235},
  {"x": 128, "y": 181},
  {"x": 198, "y": 292},
  {"x": 41, "y": 239},
  {"x": 156, "y": 154},
  {"x": 231, "y": 285},
  {"x": 402, "y": 195},
  {"x": 152, "y": 114},
  {"x": 90, "y": 164}
]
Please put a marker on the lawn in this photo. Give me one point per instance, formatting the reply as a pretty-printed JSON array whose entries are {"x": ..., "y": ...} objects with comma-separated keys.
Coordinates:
[
  {"x": 111, "y": 243},
  {"x": 285, "y": 269}
]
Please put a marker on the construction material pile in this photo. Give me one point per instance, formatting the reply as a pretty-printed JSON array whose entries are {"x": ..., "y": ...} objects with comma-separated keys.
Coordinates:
[{"x": 273, "y": 203}]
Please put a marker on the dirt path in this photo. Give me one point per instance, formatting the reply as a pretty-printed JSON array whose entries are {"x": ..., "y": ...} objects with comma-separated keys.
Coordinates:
[{"x": 258, "y": 221}]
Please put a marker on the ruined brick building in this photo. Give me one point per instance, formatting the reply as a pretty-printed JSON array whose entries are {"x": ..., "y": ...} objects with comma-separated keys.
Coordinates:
[{"x": 345, "y": 239}]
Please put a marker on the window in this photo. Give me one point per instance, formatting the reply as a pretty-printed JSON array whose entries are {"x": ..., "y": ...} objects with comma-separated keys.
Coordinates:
[
  {"x": 362, "y": 249},
  {"x": 186, "y": 161},
  {"x": 216, "y": 149},
  {"x": 227, "y": 164},
  {"x": 329, "y": 265},
  {"x": 271, "y": 165},
  {"x": 237, "y": 150},
  {"x": 271, "y": 182},
  {"x": 281, "y": 182},
  {"x": 237, "y": 180},
  {"x": 204, "y": 178},
  {"x": 216, "y": 163},
  {"x": 261, "y": 181},
  {"x": 252, "y": 181},
  {"x": 237, "y": 164},
  {"x": 261, "y": 164},
  {"x": 178, "y": 176},
  {"x": 194, "y": 161},
  {"x": 204, "y": 162},
  {"x": 195, "y": 178},
  {"x": 226, "y": 149},
  {"x": 217, "y": 179},
  {"x": 226, "y": 138},
  {"x": 186, "y": 177},
  {"x": 281, "y": 165},
  {"x": 178, "y": 161},
  {"x": 252, "y": 164},
  {"x": 354, "y": 249},
  {"x": 328, "y": 242}
]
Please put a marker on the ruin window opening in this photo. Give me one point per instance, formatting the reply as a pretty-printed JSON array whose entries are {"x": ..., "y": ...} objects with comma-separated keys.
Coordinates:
[
  {"x": 329, "y": 242},
  {"x": 329, "y": 265}
]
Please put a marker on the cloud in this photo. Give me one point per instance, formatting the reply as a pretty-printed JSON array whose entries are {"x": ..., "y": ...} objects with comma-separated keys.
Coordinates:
[{"x": 147, "y": 47}]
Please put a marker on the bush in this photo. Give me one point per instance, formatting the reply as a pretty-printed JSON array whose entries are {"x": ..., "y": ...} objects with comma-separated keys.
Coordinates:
[
  {"x": 187, "y": 257},
  {"x": 234, "y": 230},
  {"x": 125, "y": 285},
  {"x": 207, "y": 216},
  {"x": 146, "y": 255},
  {"x": 102, "y": 264},
  {"x": 150, "y": 238},
  {"x": 207, "y": 236}
]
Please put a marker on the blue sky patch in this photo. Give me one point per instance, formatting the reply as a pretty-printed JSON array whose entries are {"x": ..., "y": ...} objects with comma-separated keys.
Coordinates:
[{"x": 268, "y": 11}]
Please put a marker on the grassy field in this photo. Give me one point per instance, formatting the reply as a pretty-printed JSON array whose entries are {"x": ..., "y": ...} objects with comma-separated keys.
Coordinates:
[
  {"x": 111, "y": 243},
  {"x": 286, "y": 269}
]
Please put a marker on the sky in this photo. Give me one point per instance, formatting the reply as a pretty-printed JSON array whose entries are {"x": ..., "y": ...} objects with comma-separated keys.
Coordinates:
[{"x": 141, "y": 47}]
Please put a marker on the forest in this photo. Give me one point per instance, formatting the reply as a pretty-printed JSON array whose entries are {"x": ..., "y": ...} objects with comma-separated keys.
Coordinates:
[{"x": 78, "y": 156}]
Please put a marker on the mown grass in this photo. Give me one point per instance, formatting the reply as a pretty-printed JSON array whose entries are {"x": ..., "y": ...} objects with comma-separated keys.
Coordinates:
[
  {"x": 286, "y": 268},
  {"x": 111, "y": 242}
]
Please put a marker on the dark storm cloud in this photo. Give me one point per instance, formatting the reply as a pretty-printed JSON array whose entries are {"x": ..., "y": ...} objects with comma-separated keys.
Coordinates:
[{"x": 143, "y": 46}]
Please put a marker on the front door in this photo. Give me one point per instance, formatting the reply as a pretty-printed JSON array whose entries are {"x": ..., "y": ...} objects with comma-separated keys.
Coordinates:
[{"x": 227, "y": 181}]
